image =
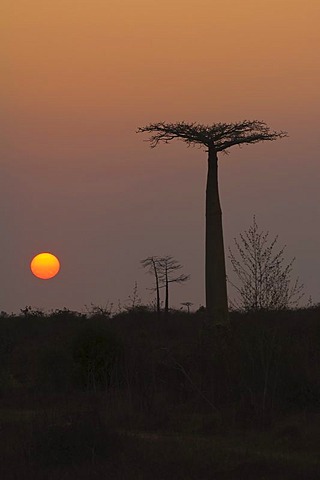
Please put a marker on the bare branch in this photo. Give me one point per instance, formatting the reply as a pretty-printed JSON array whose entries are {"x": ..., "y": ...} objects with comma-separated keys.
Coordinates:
[
  {"x": 264, "y": 281},
  {"x": 220, "y": 136}
]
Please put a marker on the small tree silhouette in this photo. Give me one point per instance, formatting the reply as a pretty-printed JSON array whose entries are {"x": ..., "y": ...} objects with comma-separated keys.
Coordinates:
[
  {"x": 188, "y": 305},
  {"x": 264, "y": 279},
  {"x": 168, "y": 267},
  {"x": 215, "y": 138},
  {"x": 152, "y": 264},
  {"x": 163, "y": 269}
]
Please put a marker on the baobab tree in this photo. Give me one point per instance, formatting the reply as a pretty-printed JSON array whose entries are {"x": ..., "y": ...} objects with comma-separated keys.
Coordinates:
[
  {"x": 164, "y": 269},
  {"x": 168, "y": 268},
  {"x": 215, "y": 138},
  {"x": 152, "y": 263},
  {"x": 188, "y": 305}
]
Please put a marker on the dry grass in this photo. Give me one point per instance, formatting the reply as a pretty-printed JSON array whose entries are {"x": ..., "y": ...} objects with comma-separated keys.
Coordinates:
[
  {"x": 180, "y": 400},
  {"x": 89, "y": 440}
]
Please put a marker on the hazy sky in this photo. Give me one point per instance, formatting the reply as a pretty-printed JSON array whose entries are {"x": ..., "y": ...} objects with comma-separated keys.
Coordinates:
[{"x": 76, "y": 180}]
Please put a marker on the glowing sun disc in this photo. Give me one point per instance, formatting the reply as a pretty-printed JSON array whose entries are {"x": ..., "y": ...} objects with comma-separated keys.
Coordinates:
[{"x": 45, "y": 266}]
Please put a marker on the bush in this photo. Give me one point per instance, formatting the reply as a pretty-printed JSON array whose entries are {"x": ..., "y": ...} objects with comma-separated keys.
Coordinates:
[{"x": 97, "y": 353}]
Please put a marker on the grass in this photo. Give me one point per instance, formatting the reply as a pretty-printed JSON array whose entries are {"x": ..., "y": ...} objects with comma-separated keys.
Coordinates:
[
  {"x": 130, "y": 397},
  {"x": 74, "y": 440}
]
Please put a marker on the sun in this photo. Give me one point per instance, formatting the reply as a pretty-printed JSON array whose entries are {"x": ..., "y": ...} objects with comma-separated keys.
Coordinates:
[{"x": 45, "y": 265}]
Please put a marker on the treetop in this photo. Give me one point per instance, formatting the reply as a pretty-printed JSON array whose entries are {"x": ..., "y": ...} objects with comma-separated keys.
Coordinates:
[{"x": 219, "y": 136}]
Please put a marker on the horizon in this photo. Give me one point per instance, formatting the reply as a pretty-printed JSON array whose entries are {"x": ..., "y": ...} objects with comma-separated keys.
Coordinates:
[{"x": 77, "y": 181}]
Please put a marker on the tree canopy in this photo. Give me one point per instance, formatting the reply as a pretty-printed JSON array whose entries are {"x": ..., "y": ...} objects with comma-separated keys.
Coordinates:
[{"x": 219, "y": 136}]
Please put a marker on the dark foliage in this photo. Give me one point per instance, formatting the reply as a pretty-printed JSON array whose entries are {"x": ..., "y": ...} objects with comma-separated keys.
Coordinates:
[
  {"x": 96, "y": 353},
  {"x": 268, "y": 359},
  {"x": 75, "y": 391}
]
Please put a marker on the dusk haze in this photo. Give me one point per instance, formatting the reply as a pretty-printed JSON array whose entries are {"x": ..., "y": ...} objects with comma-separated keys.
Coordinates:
[{"x": 76, "y": 180}]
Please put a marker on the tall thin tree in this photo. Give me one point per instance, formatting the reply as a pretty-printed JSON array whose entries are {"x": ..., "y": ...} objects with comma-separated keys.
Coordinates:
[
  {"x": 152, "y": 263},
  {"x": 164, "y": 269},
  {"x": 215, "y": 138},
  {"x": 168, "y": 268}
]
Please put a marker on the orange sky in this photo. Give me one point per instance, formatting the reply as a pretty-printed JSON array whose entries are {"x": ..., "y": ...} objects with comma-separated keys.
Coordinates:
[
  {"x": 81, "y": 76},
  {"x": 102, "y": 53}
]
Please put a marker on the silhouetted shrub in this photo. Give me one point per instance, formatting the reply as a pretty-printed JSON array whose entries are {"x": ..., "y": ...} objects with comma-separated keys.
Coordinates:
[
  {"x": 264, "y": 365},
  {"x": 97, "y": 353}
]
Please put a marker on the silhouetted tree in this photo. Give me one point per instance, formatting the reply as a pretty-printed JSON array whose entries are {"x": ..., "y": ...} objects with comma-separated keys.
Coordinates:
[
  {"x": 152, "y": 264},
  {"x": 163, "y": 269},
  {"x": 216, "y": 138},
  {"x": 264, "y": 281},
  {"x": 168, "y": 266},
  {"x": 188, "y": 305}
]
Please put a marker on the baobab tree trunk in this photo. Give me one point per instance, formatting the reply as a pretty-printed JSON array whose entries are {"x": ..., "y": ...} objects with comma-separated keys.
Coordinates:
[{"x": 215, "y": 276}]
